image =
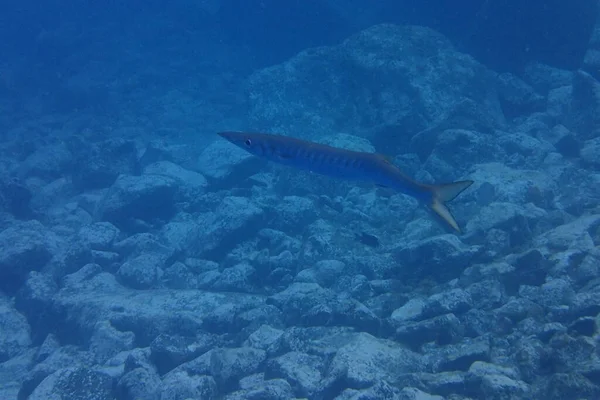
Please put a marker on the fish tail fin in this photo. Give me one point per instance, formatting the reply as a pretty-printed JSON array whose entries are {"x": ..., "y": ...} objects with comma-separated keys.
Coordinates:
[{"x": 444, "y": 193}]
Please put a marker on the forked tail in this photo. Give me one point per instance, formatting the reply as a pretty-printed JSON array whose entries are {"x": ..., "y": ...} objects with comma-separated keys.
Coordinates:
[{"x": 444, "y": 193}]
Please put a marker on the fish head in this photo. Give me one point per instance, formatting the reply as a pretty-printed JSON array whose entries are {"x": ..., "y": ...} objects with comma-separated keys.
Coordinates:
[{"x": 248, "y": 141}]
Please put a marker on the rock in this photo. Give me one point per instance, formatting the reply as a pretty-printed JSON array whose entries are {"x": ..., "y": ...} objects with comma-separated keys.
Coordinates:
[
  {"x": 302, "y": 371},
  {"x": 272, "y": 389},
  {"x": 170, "y": 351},
  {"x": 477, "y": 322},
  {"x": 545, "y": 77},
  {"x": 143, "y": 243},
  {"x": 254, "y": 318},
  {"x": 224, "y": 163},
  {"x": 412, "y": 310},
  {"x": 365, "y": 360},
  {"x": 48, "y": 162},
  {"x": 294, "y": 212},
  {"x": 518, "y": 221},
  {"x": 582, "y": 116},
  {"x": 148, "y": 198},
  {"x": 553, "y": 293},
  {"x": 191, "y": 184},
  {"x": 141, "y": 272},
  {"x": 181, "y": 385},
  {"x": 99, "y": 235},
  {"x": 146, "y": 313},
  {"x": 239, "y": 278},
  {"x": 444, "y": 329},
  {"x": 487, "y": 294},
  {"x": 139, "y": 383},
  {"x": 35, "y": 301},
  {"x": 299, "y": 298},
  {"x": 563, "y": 140},
  {"x": 99, "y": 165},
  {"x": 517, "y": 97},
  {"x": 324, "y": 273},
  {"x": 445, "y": 254},
  {"x": 235, "y": 217},
  {"x": 228, "y": 366},
  {"x": 75, "y": 383},
  {"x": 106, "y": 341},
  {"x": 15, "y": 337},
  {"x": 266, "y": 338},
  {"x": 303, "y": 105},
  {"x": 460, "y": 356},
  {"x": 24, "y": 247},
  {"x": 15, "y": 197},
  {"x": 590, "y": 153},
  {"x": 569, "y": 385},
  {"x": 455, "y": 301}
]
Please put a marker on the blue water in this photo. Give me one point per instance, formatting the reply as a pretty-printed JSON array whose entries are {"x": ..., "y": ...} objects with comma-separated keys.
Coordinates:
[{"x": 144, "y": 257}]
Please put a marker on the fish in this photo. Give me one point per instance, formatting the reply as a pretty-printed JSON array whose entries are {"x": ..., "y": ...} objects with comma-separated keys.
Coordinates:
[{"x": 349, "y": 165}]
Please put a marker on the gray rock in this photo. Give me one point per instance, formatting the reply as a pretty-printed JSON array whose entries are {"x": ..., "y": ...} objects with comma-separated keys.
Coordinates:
[
  {"x": 301, "y": 370},
  {"x": 141, "y": 272},
  {"x": 234, "y": 218},
  {"x": 487, "y": 294},
  {"x": 266, "y": 338},
  {"x": 254, "y": 318},
  {"x": 223, "y": 162},
  {"x": 35, "y": 301},
  {"x": 444, "y": 329},
  {"x": 365, "y": 360},
  {"x": 180, "y": 386},
  {"x": 24, "y": 247},
  {"x": 590, "y": 153},
  {"x": 99, "y": 165},
  {"x": 145, "y": 313},
  {"x": 563, "y": 140},
  {"x": 553, "y": 293},
  {"x": 292, "y": 213},
  {"x": 455, "y": 301},
  {"x": 239, "y": 278},
  {"x": 228, "y": 366},
  {"x": 191, "y": 184},
  {"x": 15, "y": 335},
  {"x": 374, "y": 52},
  {"x": 500, "y": 387},
  {"x": 517, "y": 97},
  {"x": 569, "y": 385},
  {"x": 170, "y": 351},
  {"x": 272, "y": 389},
  {"x": 75, "y": 383},
  {"x": 48, "y": 162},
  {"x": 99, "y": 235},
  {"x": 460, "y": 356},
  {"x": 518, "y": 221},
  {"x": 410, "y": 311},
  {"x": 445, "y": 254},
  {"x": 324, "y": 273},
  {"x": 582, "y": 116},
  {"x": 147, "y": 198},
  {"x": 140, "y": 383},
  {"x": 517, "y": 309},
  {"x": 144, "y": 243},
  {"x": 181, "y": 234},
  {"x": 544, "y": 77},
  {"x": 477, "y": 322},
  {"x": 106, "y": 341},
  {"x": 299, "y": 298}
]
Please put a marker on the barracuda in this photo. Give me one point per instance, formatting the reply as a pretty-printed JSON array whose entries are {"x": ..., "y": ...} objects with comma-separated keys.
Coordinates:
[{"x": 349, "y": 165}]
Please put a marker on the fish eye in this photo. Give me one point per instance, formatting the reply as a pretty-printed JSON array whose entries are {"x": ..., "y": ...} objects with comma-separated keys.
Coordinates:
[{"x": 248, "y": 142}]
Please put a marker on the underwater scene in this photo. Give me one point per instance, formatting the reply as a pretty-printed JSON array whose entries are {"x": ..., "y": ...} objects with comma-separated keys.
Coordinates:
[{"x": 300, "y": 199}]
